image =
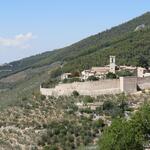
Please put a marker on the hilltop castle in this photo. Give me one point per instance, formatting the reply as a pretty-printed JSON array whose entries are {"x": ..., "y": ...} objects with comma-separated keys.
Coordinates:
[{"x": 103, "y": 86}]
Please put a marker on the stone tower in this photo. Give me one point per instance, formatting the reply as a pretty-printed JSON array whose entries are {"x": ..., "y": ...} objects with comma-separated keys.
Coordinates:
[{"x": 112, "y": 64}]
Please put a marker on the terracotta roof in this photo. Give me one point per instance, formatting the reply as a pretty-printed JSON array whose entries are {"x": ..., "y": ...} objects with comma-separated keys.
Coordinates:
[{"x": 100, "y": 69}]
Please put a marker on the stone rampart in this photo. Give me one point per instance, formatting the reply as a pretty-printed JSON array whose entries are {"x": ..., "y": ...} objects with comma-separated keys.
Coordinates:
[
  {"x": 95, "y": 88},
  {"x": 47, "y": 91},
  {"x": 144, "y": 83},
  {"x": 128, "y": 84},
  {"x": 92, "y": 88}
]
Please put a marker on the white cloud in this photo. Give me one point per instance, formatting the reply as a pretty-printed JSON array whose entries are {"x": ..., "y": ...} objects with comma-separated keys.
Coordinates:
[{"x": 21, "y": 40}]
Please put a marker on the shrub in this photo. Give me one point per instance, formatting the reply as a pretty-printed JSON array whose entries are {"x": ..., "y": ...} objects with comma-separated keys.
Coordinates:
[
  {"x": 111, "y": 75},
  {"x": 121, "y": 135},
  {"x": 24, "y": 98},
  {"x": 98, "y": 123},
  {"x": 92, "y": 78},
  {"x": 75, "y": 93},
  {"x": 51, "y": 83},
  {"x": 108, "y": 105},
  {"x": 53, "y": 147},
  {"x": 88, "y": 99},
  {"x": 86, "y": 140},
  {"x": 142, "y": 61},
  {"x": 43, "y": 97},
  {"x": 130, "y": 134},
  {"x": 71, "y": 80},
  {"x": 124, "y": 73},
  {"x": 56, "y": 72},
  {"x": 86, "y": 110}
]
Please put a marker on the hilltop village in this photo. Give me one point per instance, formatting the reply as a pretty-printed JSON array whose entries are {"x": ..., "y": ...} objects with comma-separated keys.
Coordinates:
[
  {"x": 101, "y": 72},
  {"x": 110, "y": 79}
]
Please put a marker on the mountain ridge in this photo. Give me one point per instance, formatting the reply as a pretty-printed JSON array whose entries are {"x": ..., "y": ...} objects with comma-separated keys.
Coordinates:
[{"x": 98, "y": 41}]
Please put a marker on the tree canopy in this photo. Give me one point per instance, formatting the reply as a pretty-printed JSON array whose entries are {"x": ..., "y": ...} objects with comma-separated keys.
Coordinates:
[{"x": 130, "y": 134}]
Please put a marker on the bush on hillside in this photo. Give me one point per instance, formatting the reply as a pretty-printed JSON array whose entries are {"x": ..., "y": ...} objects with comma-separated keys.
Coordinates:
[
  {"x": 108, "y": 105},
  {"x": 56, "y": 72},
  {"x": 142, "y": 61},
  {"x": 121, "y": 135},
  {"x": 124, "y": 73},
  {"x": 92, "y": 78},
  {"x": 75, "y": 93},
  {"x": 43, "y": 97},
  {"x": 111, "y": 75},
  {"x": 51, "y": 83},
  {"x": 71, "y": 80},
  {"x": 88, "y": 99},
  {"x": 128, "y": 134}
]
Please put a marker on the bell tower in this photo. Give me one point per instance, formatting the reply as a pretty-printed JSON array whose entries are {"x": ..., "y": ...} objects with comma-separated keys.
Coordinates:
[{"x": 112, "y": 64}]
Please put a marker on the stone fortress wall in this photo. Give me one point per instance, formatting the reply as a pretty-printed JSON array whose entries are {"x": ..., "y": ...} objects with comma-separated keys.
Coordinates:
[
  {"x": 95, "y": 88},
  {"x": 92, "y": 88},
  {"x": 144, "y": 83},
  {"x": 128, "y": 84}
]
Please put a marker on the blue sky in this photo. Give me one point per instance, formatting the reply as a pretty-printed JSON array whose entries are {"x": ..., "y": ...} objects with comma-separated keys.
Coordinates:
[{"x": 30, "y": 27}]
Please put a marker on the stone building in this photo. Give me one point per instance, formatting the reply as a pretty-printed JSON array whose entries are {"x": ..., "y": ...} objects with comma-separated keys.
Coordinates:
[
  {"x": 100, "y": 72},
  {"x": 112, "y": 64},
  {"x": 143, "y": 72},
  {"x": 66, "y": 76},
  {"x": 87, "y": 73},
  {"x": 129, "y": 68}
]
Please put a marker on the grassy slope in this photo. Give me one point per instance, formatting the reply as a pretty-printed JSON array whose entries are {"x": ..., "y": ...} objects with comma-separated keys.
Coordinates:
[{"x": 21, "y": 89}]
